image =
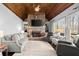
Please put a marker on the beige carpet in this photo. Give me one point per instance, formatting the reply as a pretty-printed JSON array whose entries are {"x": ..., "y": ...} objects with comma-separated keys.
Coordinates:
[{"x": 37, "y": 48}]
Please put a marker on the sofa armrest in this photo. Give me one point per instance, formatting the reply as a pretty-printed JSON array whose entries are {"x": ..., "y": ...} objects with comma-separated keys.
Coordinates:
[{"x": 64, "y": 42}]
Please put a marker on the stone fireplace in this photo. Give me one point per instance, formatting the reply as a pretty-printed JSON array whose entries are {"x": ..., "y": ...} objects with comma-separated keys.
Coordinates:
[{"x": 36, "y": 31}]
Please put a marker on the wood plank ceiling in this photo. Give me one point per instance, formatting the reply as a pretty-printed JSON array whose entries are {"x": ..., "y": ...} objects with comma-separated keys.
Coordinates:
[{"x": 50, "y": 9}]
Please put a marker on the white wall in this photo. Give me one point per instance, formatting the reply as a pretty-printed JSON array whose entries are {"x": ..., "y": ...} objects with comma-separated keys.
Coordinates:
[{"x": 9, "y": 22}]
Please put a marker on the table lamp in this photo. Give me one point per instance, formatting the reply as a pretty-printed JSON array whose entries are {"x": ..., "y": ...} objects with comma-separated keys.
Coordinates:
[{"x": 1, "y": 36}]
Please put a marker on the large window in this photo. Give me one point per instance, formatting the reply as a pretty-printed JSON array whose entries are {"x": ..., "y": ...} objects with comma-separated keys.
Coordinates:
[
  {"x": 74, "y": 23},
  {"x": 59, "y": 26},
  {"x": 55, "y": 26},
  {"x": 68, "y": 25},
  {"x": 73, "y": 26}
]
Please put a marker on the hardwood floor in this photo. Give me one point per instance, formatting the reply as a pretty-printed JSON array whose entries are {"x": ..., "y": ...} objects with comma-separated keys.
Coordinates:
[{"x": 37, "y": 48}]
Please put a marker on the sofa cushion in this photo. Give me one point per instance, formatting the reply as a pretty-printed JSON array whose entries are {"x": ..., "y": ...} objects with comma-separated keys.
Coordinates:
[
  {"x": 8, "y": 38},
  {"x": 19, "y": 38},
  {"x": 16, "y": 38}
]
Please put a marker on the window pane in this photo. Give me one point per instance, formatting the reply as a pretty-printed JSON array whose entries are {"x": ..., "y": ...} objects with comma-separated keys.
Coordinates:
[
  {"x": 59, "y": 26},
  {"x": 74, "y": 24}
]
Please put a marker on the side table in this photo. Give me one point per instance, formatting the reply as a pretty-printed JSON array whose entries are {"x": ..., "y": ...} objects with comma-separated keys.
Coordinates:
[{"x": 3, "y": 47}]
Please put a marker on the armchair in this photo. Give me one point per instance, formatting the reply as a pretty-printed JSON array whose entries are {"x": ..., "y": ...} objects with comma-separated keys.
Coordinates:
[
  {"x": 47, "y": 38},
  {"x": 16, "y": 43},
  {"x": 67, "y": 49}
]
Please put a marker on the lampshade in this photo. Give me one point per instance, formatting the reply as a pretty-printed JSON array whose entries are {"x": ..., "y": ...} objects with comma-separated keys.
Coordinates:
[{"x": 1, "y": 33}]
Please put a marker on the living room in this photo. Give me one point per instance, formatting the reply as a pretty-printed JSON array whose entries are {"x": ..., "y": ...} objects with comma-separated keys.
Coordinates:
[{"x": 41, "y": 32}]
